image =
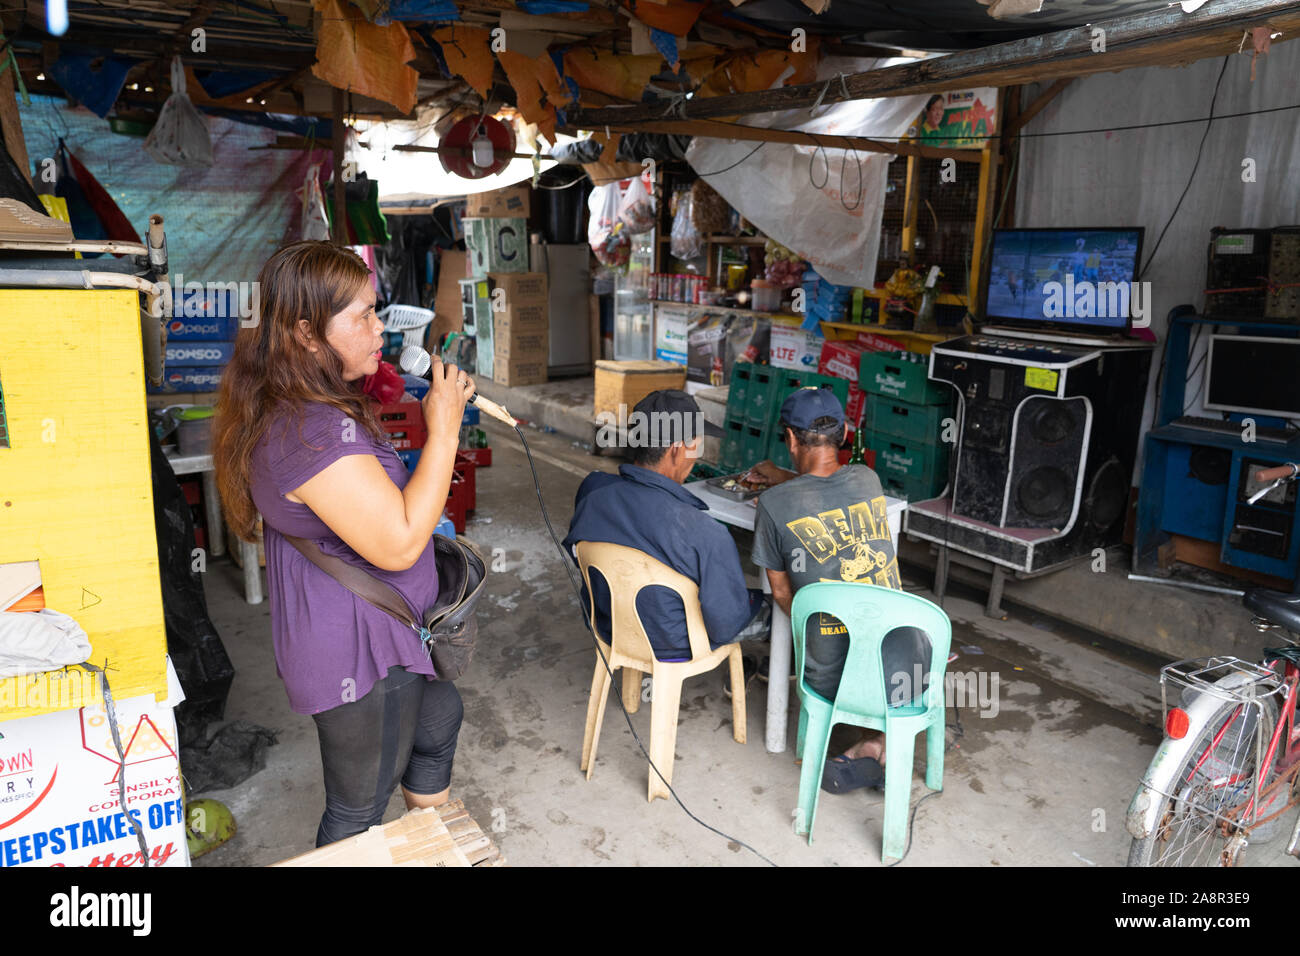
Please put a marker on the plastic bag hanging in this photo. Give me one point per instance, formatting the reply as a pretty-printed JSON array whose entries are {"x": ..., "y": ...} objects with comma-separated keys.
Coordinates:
[
  {"x": 606, "y": 233},
  {"x": 315, "y": 222},
  {"x": 637, "y": 211},
  {"x": 180, "y": 137}
]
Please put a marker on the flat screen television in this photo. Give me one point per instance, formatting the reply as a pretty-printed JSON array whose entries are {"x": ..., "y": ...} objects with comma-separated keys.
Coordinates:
[
  {"x": 1077, "y": 280},
  {"x": 1248, "y": 373}
]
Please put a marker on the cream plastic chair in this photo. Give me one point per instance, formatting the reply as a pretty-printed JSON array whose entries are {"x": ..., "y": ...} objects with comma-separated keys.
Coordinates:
[{"x": 627, "y": 571}]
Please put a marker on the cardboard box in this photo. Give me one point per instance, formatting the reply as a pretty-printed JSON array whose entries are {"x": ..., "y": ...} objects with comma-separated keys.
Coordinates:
[
  {"x": 672, "y": 324},
  {"x": 189, "y": 378},
  {"x": 61, "y": 797},
  {"x": 198, "y": 353},
  {"x": 496, "y": 245},
  {"x": 419, "y": 838},
  {"x": 446, "y": 304},
  {"x": 520, "y": 371},
  {"x": 626, "y": 383},
  {"x": 794, "y": 347},
  {"x": 520, "y": 344},
  {"x": 841, "y": 359},
  {"x": 513, "y": 202},
  {"x": 521, "y": 296},
  {"x": 202, "y": 328}
]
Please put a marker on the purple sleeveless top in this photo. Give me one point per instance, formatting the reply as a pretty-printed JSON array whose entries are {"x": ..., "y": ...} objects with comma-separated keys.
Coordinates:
[{"x": 331, "y": 646}]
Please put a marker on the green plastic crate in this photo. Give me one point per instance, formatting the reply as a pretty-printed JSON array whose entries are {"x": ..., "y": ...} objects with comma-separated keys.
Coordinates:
[
  {"x": 914, "y": 470},
  {"x": 901, "y": 375},
  {"x": 912, "y": 423},
  {"x": 738, "y": 390},
  {"x": 760, "y": 397},
  {"x": 733, "y": 443},
  {"x": 776, "y": 450},
  {"x": 754, "y": 448},
  {"x": 791, "y": 380}
]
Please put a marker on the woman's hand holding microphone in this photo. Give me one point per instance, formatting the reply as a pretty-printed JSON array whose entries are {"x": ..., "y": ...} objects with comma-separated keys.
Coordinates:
[{"x": 450, "y": 389}]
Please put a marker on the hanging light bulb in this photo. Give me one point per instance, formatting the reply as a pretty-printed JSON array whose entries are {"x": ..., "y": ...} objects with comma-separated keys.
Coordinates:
[{"x": 481, "y": 148}]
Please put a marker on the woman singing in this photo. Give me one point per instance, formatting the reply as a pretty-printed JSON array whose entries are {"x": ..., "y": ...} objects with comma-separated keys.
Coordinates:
[{"x": 297, "y": 441}]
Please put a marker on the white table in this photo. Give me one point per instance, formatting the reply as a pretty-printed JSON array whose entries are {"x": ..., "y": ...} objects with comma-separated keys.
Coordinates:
[
  {"x": 743, "y": 514},
  {"x": 202, "y": 465}
]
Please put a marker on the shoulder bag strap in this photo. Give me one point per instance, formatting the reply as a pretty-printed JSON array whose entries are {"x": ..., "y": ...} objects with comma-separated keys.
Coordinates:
[{"x": 360, "y": 583}]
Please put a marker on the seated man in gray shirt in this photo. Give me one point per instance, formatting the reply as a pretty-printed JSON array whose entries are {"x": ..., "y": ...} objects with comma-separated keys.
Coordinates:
[{"x": 829, "y": 524}]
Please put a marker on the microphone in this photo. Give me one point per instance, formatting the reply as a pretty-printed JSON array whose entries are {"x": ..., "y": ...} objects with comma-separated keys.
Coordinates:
[{"x": 417, "y": 361}]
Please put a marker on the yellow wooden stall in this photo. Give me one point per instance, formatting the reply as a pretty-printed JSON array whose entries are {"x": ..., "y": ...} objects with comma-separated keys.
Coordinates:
[{"x": 75, "y": 482}]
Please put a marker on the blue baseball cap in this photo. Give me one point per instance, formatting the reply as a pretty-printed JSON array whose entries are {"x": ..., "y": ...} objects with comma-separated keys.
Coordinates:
[{"x": 804, "y": 406}]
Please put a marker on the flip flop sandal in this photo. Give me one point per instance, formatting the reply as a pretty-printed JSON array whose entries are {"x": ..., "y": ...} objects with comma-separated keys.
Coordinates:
[{"x": 842, "y": 774}]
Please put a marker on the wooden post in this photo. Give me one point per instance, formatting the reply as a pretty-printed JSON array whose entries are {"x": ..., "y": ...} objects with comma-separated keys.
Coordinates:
[
  {"x": 911, "y": 202},
  {"x": 983, "y": 224},
  {"x": 340, "y": 231}
]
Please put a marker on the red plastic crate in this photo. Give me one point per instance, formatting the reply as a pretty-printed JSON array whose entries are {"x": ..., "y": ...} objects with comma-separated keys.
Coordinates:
[
  {"x": 457, "y": 502},
  {"x": 482, "y": 457},
  {"x": 465, "y": 466},
  {"x": 403, "y": 422}
]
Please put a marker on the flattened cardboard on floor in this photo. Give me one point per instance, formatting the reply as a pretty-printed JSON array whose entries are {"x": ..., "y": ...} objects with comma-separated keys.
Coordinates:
[{"x": 419, "y": 838}]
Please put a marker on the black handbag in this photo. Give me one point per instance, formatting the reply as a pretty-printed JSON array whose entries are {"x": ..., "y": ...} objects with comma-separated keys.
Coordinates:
[{"x": 449, "y": 628}]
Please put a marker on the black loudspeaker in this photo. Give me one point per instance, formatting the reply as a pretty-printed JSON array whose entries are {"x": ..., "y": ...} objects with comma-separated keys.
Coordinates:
[
  {"x": 1047, "y": 456},
  {"x": 1048, "y": 435}
]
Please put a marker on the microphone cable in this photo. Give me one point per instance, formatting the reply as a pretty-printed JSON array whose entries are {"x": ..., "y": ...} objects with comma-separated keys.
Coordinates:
[{"x": 600, "y": 652}]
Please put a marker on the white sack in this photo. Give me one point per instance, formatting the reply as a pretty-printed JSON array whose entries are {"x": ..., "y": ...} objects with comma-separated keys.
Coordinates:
[
  {"x": 180, "y": 137},
  {"x": 774, "y": 191},
  {"x": 36, "y": 641}
]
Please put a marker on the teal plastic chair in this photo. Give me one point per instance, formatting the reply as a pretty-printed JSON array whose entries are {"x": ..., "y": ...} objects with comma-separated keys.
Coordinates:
[{"x": 870, "y": 612}]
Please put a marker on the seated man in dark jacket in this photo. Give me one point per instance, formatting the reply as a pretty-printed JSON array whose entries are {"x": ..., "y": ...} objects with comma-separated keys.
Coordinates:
[{"x": 645, "y": 507}]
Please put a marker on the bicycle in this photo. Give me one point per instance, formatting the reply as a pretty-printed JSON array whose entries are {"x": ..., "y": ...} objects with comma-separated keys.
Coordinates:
[{"x": 1226, "y": 773}]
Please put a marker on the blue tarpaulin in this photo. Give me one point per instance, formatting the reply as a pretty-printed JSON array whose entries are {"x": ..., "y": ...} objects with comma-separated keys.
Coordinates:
[
  {"x": 542, "y": 7},
  {"x": 220, "y": 83},
  {"x": 95, "y": 89},
  {"x": 419, "y": 10},
  {"x": 665, "y": 43},
  {"x": 222, "y": 223}
]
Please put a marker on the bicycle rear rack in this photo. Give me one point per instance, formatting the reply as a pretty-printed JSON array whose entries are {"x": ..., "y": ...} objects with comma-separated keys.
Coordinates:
[{"x": 1202, "y": 676}]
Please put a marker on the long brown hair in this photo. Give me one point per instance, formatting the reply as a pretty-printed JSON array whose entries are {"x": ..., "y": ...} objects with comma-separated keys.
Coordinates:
[{"x": 271, "y": 370}]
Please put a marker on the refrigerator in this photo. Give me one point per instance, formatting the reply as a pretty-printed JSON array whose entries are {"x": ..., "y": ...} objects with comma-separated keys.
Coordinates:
[
  {"x": 633, "y": 316},
  {"x": 568, "y": 283}
]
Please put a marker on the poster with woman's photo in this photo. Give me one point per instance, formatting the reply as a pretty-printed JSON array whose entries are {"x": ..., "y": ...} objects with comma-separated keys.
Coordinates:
[{"x": 964, "y": 119}]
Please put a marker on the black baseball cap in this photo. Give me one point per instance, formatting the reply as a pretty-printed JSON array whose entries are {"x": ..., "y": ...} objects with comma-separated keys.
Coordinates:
[
  {"x": 804, "y": 406},
  {"x": 672, "y": 416}
]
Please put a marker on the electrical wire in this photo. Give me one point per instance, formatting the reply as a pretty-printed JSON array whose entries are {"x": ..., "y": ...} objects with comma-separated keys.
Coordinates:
[
  {"x": 110, "y": 713},
  {"x": 725, "y": 169},
  {"x": 811, "y": 158},
  {"x": 577, "y": 590},
  {"x": 1200, "y": 149}
]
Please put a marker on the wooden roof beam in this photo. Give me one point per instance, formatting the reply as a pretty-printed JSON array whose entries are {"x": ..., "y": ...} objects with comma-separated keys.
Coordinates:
[
  {"x": 713, "y": 129},
  {"x": 1161, "y": 37}
]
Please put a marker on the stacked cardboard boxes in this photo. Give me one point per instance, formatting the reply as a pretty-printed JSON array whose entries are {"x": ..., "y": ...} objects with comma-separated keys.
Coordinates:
[
  {"x": 200, "y": 340},
  {"x": 513, "y": 332},
  {"x": 521, "y": 327}
]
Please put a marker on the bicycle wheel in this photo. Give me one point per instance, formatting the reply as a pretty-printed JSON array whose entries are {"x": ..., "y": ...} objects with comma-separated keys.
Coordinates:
[{"x": 1209, "y": 790}]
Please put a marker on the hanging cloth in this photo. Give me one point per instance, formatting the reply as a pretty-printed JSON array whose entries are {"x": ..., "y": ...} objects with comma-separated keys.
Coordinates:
[{"x": 92, "y": 211}]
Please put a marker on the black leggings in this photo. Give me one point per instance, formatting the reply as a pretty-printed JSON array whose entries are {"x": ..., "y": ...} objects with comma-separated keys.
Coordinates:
[{"x": 404, "y": 729}]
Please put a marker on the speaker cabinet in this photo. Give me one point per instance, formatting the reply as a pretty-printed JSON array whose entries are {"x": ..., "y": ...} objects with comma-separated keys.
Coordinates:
[{"x": 1048, "y": 435}]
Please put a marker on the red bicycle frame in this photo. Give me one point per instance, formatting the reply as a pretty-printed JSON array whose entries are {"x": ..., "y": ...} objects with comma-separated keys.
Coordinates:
[{"x": 1286, "y": 719}]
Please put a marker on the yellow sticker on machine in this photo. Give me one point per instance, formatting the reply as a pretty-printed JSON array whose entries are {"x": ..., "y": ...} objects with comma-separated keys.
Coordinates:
[{"x": 1044, "y": 378}]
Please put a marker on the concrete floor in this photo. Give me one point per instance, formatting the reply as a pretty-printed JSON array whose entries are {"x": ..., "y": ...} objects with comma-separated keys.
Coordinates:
[{"x": 1039, "y": 774}]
